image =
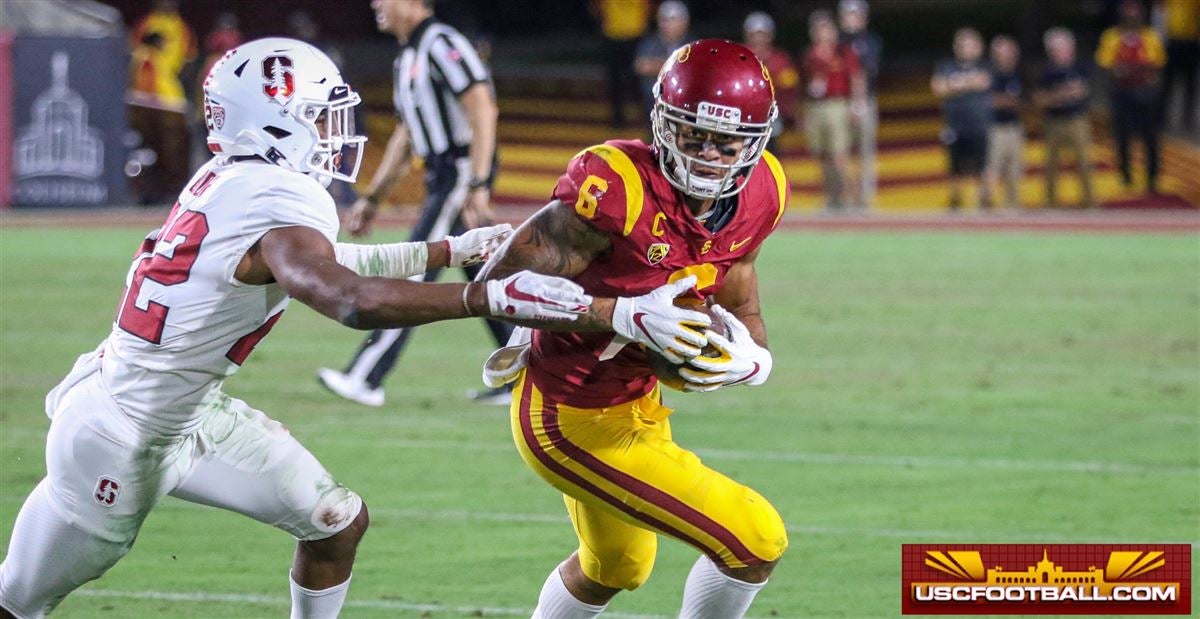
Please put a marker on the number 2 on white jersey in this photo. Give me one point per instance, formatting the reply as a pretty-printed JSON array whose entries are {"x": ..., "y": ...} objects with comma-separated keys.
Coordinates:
[{"x": 182, "y": 236}]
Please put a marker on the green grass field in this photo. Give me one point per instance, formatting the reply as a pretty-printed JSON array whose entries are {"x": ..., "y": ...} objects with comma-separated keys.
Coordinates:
[{"x": 933, "y": 387}]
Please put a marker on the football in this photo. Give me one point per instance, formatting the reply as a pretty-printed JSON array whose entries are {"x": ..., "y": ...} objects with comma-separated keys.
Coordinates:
[{"x": 667, "y": 372}]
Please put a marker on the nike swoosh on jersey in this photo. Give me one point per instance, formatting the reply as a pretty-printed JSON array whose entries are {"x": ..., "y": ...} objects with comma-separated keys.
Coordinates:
[{"x": 738, "y": 244}]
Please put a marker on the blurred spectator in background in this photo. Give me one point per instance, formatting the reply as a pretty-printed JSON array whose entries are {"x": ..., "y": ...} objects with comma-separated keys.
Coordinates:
[
  {"x": 1182, "y": 26},
  {"x": 1132, "y": 52},
  {"x": 653, "y": 49},
  {"x": 1062, "y": 94},
  {"x": 162, "y": 47},
  {"x": 964, "y": 85},
  {"x": 853, "y": 16},
  {"x": 302, "y": 26},
  {"x": 622, "y": 23},
  {"x": 832, "y": 77},
  {"x": 1006, "y": 138},
  {"x": 224, "y": 36},
  {"x": 759, "y": 32}
]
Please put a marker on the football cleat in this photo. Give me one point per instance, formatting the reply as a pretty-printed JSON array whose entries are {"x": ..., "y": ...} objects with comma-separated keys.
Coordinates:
[{"x": 350, "y": 388}]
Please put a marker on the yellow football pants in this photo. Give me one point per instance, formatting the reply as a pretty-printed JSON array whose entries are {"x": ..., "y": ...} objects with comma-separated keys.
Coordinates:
[{"x": 624, "y": 480}]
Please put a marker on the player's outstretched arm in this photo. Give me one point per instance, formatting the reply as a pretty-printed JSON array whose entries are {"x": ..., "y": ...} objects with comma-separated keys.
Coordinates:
[
  {"x": 304, "y": 263},
  {"x": 555, "y": 241}
]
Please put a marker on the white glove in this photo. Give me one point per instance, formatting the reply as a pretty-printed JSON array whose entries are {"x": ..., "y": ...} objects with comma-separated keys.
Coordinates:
[
  {"x": 654, "y": 321},
  {"x": 741, "y": 362},
  {"x": 475, "y": 246},
  {"x": 532, "y": 296}
]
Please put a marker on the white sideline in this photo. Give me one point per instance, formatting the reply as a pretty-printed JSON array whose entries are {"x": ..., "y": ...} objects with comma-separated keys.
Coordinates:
[
  {"x": 245, "y": 598},
  {"x": 798, "y": 457},
  {"x": 833, "y": 459},
  {"x": 907, "y": 535}
]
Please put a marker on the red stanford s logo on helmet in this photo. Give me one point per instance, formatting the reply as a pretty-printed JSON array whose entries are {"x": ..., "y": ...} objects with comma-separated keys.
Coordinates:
[
  {"x": 722, "y": 89},
  {"x": 281, "y": 82}
]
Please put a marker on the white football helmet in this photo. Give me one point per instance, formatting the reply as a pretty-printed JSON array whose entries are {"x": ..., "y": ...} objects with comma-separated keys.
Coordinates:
[{"x": 285, "y": 101}]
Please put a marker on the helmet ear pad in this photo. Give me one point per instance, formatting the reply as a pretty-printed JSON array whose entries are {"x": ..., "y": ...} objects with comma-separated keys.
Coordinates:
[
  {"x": 285, "y": 101},
  {"x": 719, "y": 87}
]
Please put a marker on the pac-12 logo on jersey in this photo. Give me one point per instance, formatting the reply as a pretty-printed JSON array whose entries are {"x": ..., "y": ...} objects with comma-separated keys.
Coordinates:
[
  {"x": 657, "y": 252},
  {"x": 281, "y": 82},
  {"x": 107, "y": 490}
]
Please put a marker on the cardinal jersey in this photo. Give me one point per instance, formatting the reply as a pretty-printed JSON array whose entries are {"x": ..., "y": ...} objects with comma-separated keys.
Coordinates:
[
  {"x": 184, "y": 322},
  {"x": 618, "y": 188}
]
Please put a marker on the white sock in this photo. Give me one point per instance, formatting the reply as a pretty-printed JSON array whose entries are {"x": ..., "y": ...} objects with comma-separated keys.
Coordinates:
[
  {"x": 556, "y": 602},
  {"x": 323, "y": 604},
  {"x": 710, "y": 594}
]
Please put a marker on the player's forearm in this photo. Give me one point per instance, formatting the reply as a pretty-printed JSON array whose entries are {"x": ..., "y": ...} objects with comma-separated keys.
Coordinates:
[
  {"x": 395, "y": 260},
  {"x": 755, "y": 325},
  {"x": 381, "y": 303},
  {"x": 597, "y": 319},
  {"x": 554, "y": 241}
]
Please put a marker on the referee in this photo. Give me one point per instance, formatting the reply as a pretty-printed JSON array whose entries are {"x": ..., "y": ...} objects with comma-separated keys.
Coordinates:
[{"x": 447, "y": 115}]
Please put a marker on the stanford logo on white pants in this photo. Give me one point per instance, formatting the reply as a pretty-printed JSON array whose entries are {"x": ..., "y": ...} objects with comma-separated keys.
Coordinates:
[{"x": 107, "y": 490}]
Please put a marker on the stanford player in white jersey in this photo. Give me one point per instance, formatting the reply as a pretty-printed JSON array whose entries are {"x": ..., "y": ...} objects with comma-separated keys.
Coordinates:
[{"x": 144, "y": 415}]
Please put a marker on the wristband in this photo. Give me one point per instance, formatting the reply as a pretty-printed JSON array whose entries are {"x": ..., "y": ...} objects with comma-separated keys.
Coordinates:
[
  {"x": 479, "y": 183},
  {"x": 466, "y": 306}
]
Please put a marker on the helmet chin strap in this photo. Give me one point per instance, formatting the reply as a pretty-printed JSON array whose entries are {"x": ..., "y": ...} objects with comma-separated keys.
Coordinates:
[{"x": 697, "y": 186}]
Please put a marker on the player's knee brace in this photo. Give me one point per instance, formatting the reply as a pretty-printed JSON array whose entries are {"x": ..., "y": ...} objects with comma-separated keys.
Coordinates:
[{"x": 338, "y": 509}]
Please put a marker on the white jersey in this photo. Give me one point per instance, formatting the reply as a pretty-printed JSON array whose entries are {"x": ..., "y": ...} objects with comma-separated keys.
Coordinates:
[{"x": 185, "y": 323}]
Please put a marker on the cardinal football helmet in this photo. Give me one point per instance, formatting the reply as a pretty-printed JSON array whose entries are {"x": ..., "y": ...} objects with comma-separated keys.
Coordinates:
[
  {"x": 285, "y": 101},
  {"x": 719, "y": 88}
]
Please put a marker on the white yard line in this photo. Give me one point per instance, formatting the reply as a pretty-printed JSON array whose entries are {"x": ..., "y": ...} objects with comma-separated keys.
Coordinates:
[
  {"x": 834, "y": 459},
  {"x": 906, "y": 535},
  {"x": 957, "y": 463},
  {"x": 269, "y": 600}
]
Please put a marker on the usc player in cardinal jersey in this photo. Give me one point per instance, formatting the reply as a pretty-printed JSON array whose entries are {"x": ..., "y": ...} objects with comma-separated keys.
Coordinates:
[{"x": 692, "y": 210}]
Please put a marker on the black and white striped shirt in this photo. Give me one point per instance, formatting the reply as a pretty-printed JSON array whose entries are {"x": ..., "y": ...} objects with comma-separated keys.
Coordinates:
[{"x": 433, "y": 69}]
